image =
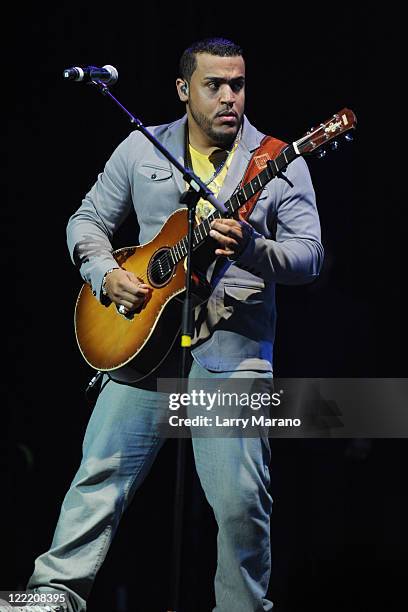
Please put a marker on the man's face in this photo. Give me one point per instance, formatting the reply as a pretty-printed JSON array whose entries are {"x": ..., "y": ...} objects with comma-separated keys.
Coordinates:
[{"x": 217, "y": 97}]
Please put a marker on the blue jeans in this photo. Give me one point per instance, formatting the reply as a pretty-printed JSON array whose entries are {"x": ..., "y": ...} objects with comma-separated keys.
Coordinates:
[{"x": 120, "y": 445}]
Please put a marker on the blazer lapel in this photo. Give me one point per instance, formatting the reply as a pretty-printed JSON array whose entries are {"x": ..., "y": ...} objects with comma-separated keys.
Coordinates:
[{"x": 250, "y": 141}]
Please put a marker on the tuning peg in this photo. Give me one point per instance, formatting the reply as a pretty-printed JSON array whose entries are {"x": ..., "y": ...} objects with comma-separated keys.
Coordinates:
[
  {"x": 322, "y": 153},
  {"x": 349, "y": 137},
  {"x": 334, "y": 145}
]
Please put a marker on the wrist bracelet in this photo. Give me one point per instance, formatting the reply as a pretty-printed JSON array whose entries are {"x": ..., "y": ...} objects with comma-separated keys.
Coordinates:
[{"x": 104, "y": 292}]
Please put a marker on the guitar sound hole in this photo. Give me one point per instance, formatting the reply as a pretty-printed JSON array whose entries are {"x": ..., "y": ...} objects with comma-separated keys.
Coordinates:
[{"x": 160, "y": 269}]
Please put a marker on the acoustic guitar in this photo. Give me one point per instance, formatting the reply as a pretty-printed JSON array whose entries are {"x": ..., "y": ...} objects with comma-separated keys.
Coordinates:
[{"x": 133, "y": 345}]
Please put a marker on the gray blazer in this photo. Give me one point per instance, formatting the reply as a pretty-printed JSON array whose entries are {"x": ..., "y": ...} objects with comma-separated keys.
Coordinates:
[{"x": 235, "y": 329}]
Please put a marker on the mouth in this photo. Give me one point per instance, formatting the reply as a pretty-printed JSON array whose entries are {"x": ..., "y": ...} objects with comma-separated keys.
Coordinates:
[{"x": 227, "y": 116}]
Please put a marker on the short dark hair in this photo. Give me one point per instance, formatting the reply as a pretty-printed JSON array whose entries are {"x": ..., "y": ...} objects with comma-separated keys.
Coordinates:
[{"x": 214, "y": 46}]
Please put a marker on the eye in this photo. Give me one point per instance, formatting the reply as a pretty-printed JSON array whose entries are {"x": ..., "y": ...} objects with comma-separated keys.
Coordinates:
[
  {"x": 237, "y": 86},
  {"x": 213, "y": 85}
]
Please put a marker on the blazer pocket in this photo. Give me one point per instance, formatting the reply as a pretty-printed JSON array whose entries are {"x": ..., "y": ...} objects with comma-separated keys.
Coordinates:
[
  {"x": 155, "y": 173},
  {"x": 244, "y": 294}
]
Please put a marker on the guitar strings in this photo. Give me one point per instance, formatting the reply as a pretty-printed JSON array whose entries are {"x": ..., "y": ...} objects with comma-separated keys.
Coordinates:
[
  {"x": 164, "y": 259},
  {"x": 159, "y": 263}
]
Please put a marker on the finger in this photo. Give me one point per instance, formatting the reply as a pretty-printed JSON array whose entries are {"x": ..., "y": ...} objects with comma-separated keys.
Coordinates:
[
  {"x": 131, "y": 290},
  {"x": 230, "y": 232},
  {"x": 129, "y": 298},
  {"x": 135, "y": 280},
  {"x": 230, "y": 222},
  {"x": 224, "y": 252},
  {"x": 132, "y": 301},
  {"x": 132, "y": 282},
  {"x": 141, "y": 290},
  {"x": 126, "y": 303},
  {"x": 226, "y": 224},
  {"x": 131, "y": 304},
  {"x": 224, "y": 240},
  {"x": 222, "y": 223}
]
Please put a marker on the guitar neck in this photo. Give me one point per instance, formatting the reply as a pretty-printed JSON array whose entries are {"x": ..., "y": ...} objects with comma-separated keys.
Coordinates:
[{"x": 241, "y": 197}]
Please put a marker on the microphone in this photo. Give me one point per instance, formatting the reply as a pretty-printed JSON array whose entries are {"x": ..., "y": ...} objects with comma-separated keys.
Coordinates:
[{"x": 107, "y": 74}]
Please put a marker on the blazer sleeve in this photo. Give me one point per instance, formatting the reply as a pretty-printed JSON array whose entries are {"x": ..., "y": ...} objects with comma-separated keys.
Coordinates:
[
  {"x": 104, "y": 208},
  {"x": 295, "y": 255}
]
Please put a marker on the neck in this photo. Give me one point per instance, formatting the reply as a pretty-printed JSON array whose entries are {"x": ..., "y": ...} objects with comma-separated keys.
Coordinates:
[{"x": 200, "y": 141}]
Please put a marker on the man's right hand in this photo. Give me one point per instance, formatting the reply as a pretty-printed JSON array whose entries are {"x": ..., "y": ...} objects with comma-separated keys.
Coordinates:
[{"x": 124, "y": 288}]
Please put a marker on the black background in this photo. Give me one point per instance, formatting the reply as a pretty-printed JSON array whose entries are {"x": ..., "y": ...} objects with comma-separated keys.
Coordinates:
[{"x": 338, "y": 531}]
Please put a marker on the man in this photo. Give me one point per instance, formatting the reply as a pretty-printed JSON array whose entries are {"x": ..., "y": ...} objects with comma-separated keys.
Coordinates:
[{"x": 234, "y": 331}]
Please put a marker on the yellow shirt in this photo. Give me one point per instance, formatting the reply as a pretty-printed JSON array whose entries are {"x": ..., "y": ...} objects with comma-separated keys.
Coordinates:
[{"x": 205, "y": 169}]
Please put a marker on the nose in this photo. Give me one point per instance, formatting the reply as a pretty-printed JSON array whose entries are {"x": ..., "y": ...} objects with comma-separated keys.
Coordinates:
[{"x": 227, "y": 95}]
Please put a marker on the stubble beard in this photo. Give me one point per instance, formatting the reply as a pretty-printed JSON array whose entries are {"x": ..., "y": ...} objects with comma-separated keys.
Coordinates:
[{"x": 219, "y": 138}]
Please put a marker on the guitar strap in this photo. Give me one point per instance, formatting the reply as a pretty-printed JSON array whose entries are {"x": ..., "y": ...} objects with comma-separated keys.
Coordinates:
[{"x": 269, "y": 148}]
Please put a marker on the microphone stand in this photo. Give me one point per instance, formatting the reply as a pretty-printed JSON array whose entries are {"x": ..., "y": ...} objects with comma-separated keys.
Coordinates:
[{"x": 197, "y": 189}]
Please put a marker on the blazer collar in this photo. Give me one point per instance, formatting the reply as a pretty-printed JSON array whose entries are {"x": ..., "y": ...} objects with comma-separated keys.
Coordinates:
[{"x": 174, "y": 140}]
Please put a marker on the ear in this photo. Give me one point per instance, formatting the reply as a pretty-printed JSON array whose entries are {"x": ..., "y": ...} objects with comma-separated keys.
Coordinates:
[{"x": 182, "y": 90}]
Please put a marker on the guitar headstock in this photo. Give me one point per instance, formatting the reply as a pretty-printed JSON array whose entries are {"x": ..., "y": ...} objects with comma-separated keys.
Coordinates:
[{"x": 338, "y": 125}]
